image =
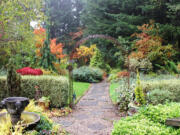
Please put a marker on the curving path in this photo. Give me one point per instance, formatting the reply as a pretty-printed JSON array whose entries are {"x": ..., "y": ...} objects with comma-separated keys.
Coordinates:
[{"x": 93, "y": 115}]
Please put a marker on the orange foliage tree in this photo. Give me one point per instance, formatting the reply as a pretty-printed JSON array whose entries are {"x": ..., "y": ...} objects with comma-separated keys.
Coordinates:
[
  {"x": 57, "y": 49},
  {"x": 150, "y": 45},
  {"x": 40, "y": 37}
]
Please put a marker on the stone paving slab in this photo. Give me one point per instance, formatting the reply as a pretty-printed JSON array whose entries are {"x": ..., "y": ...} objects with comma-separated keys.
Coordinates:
[{"x": 93, "y": 115}]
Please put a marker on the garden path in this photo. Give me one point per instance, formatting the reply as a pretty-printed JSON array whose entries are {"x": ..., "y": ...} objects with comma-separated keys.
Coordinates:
[{"x": 93, "y": 115}]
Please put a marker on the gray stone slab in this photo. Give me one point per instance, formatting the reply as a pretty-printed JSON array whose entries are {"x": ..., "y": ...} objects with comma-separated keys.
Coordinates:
[
  {"x": 65, "y": 123},
  {"x": 97, "y": 113},
  {"x": 96, "y": 126},
  {"x": 81, "y": 116},
  {"x": 88, "y": 103}
]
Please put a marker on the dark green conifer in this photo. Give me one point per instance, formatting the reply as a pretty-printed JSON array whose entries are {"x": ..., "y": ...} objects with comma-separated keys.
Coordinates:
[{"x": 13, "y": 80}]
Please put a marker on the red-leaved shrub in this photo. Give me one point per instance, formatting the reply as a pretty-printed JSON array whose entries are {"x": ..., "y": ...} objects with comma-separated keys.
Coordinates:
[
  {"x": 29, "y": 71},
  {"x": 123, "y": 74}
]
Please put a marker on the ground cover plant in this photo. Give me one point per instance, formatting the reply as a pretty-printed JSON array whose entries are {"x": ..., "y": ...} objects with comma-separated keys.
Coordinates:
[{"x": 150, "y": 120}]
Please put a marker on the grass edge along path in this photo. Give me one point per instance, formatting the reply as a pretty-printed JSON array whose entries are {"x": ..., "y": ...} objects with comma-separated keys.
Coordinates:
[
  {"x": 80, "y": 89},
  {"x": 112, "y": 92}
]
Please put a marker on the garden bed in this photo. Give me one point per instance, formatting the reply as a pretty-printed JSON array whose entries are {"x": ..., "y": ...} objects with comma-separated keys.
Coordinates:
[{"x": 149, "y": 121}]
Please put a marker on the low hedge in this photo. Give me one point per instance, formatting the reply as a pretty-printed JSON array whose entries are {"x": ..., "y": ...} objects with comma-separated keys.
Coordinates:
[
  {"x": 54, "y": 87},
  {"x": 149, "y": 121},
  {"x": 170, "y": 90}
]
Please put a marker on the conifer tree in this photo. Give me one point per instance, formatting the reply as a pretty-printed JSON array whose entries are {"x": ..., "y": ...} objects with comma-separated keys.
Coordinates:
[
  {"x": 64, "y": 17},
  {"x": 121, "y": 17}
]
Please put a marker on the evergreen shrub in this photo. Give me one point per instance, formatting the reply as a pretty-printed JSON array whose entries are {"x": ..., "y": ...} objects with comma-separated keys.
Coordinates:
[
  {"x": 139, "y": 93},
  {"x": 56, "y": 88},
  {"x": 88, "y": 74},
  {"x": 98, "y": 61}
]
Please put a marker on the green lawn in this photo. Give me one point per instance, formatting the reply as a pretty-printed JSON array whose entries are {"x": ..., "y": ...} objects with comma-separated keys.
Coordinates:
[
  {"x": 112, "y": 91},
  {"x": 80, "y": 89}
]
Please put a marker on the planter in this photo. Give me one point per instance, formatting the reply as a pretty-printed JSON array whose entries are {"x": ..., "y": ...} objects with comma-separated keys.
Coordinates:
[
  {"x": 44, "y": 105},
  {"x": 44, "y": 102}
]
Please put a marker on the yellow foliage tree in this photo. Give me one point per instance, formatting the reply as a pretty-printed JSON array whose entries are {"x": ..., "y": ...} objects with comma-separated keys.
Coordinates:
[{"x": 84, "y": 53}]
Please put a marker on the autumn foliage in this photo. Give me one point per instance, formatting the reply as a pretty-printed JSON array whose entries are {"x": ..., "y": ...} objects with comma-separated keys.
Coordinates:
[
  {"x": 29, "y": 71},
  {"x": 150, "y": 45},
  {"x": 84, "y": 53},
  {"x": 123, "y": 74},
  {"x": 77, "y": 34},
  {"x": 40, "y": 37},
  {"x": 57, "y": 49}
]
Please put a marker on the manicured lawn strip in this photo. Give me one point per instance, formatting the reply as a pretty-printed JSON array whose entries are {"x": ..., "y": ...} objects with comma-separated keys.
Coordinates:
[
  {"x": 112, "y": 92},
  {"x": 80, "y": 89}
]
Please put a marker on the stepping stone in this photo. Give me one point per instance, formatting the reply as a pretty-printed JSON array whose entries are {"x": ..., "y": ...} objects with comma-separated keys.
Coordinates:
[
  {"x": 66, "y": 123},
  {"x": 96, "y": 113},
  {"x": 81, "y": 116},
  {"x": 96, "y": 126},
  {"x": 88, "y": 103},
  {"x": 103, "y": 100},
  {"x": 94, "y": 96},
  {"x": 108, "y": 107}
]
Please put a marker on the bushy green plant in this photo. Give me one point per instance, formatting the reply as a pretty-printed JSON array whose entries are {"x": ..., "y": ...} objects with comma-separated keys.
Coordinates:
[
  {"x": 169, "y": 67},
  {"x": 161, "y": 112},
  {"x": 158, "y": 96},
  {"x": 54, "y": 87},
  {"x": 134, "y": 64},
  {"x": 44, "y": 124},
  {"x": 149, "y": 121},
  {"x": 125, "y": 96},
  {"x": 98, "y": 61},
  {"x": 139, "y": 93},
  {"x": 87, "y": 74},
  {"x": 113, "y": 78},
  {"x": 140, "y": 126}
]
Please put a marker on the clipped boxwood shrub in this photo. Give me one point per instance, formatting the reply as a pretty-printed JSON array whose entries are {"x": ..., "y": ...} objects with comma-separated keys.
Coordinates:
[
  {"x": 149, "y": 121},
  {"x": 54, "y": 87},
  {"x": 88, "y": 74}
]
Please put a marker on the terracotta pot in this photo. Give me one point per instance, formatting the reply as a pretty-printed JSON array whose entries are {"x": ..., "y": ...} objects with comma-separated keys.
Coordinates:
[{"x": 44, "y": 105}]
